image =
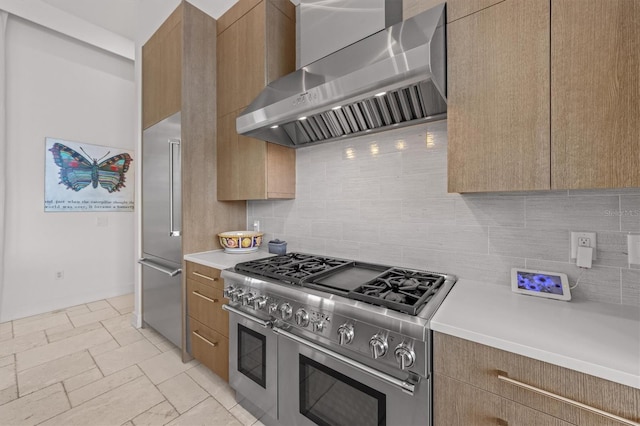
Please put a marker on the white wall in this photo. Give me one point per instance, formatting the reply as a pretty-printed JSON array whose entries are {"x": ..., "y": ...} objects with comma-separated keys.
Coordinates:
[
  {"x": 63, "y": 88},
  {"x": 383, "y": 198}
]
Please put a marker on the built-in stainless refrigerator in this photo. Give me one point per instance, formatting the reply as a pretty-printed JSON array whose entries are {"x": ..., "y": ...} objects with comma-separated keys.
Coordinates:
[{"x": 161, "y": 229}]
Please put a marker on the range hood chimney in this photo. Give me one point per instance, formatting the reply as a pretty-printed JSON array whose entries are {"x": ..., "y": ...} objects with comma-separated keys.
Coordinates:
[{"x": 395, "y": 77}]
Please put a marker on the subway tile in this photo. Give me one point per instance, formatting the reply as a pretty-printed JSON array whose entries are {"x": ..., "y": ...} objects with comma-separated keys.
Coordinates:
[
  {"x": 298, "y": 227},
  {"x": 281, "y": 209},
  {"x": 394, "y": 236},
  {"x": 611, "y": 191},
  {"x": 262, "y": 208},
  {"x": 208, "y": 412},
  {"x": 344, "y": 210},
  {"x": 36, "y": 407},
  {"x": 22, "y": 343},
  {"x": 366, "y": 232},
  {"x": 631, "y": 287},
  {"x": 42, "y": 354},
  {"x": 439, "y": 211},
  {"x": 103, "y": 385},
  {"x": 478, "y": 267},
  {"x": 114, "y": 407},
  {"x": 599, "y": 284},
  {"x": 311, "y": 210},
  {"x": 611, "y": 249},
  {"x": 309, "y": 245},
  {"x": 360, "y": 188},
  {"x": 380, "y": 165},
  {"x": 577, "y": 213},
  {"x": 182, "y": 392},
  {"x": 157, "y": 415},
  {"x": 536, "y": 244},
  {"x": 379, "y": 253},
  {"x": 121, "y": 358},
  {"x": 383, "y": 211},
  {"x": 460, "y": 239},
  {"x": 343, "y": 248},
  {"x": 490, "y": 211},
  {"x": 326, "y": 229},
  {"x": 165, "y": 365},
  {"x": 54, "y": 371},
  {"x": 629, "y": 213}
]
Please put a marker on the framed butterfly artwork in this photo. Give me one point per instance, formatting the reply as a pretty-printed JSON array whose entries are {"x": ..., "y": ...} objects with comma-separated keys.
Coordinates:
[{"x": 85, "y": 177}]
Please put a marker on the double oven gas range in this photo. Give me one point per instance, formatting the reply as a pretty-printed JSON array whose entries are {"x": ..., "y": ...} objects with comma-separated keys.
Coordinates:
[{"x": 328, "y": 341}]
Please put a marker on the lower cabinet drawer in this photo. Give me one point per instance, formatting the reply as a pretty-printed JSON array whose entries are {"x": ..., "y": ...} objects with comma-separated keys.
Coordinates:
[
  {"x": 204, "y": 303},
  {"x": 210, "y": 348},
  {"x": 458, "y": 404},
  {"x": 536, "y": 384}
]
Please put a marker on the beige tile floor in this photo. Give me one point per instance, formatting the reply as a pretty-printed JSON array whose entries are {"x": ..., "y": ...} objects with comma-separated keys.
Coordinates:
[{"x": 87, "y": 365}]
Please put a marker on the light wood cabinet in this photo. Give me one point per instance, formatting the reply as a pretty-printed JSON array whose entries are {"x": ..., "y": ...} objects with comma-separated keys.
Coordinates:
[
  {"x": 256, "y": 45},
  {"x": 543, "y": 94},
  {"x": 179, "y": 74},
  {"x": 499, "y": 98},
  {"x": 208, "y": 323},
  {"x": 595, "y": 86},
  {"x": 478, "y": 372}
]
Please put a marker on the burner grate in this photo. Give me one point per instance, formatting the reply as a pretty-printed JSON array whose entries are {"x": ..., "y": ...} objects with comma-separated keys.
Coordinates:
[
  {"x": 403, "y": 290},
  {"x": 291, "y": 268}
]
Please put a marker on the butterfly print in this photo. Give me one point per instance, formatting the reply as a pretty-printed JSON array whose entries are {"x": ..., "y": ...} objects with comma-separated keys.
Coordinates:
[{"x": 76, "y": 172}]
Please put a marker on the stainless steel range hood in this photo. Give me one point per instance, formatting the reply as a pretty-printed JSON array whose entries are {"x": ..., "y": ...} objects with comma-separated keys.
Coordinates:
[{"x": 395, "y": 77}]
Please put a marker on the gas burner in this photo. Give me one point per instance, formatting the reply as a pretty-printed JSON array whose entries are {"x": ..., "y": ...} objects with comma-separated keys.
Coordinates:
[
  {"x": 404, "y": 290},
  {"x": 290, "y": 268}
]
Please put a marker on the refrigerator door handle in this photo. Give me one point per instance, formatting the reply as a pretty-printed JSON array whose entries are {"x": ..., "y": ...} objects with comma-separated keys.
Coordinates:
[
  {"x": 172, "y": 231},
  {"x": 171, "y": 272}
]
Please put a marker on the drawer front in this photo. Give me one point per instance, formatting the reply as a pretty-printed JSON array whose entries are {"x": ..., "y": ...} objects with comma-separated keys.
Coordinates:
[
  {"x": 205, "y": 275},
  {"x": 205, "y": 305},
  {"x": 210, "y": 348},
  {"x": 486, "y": 368},
  {"x": 459, "y": 404}
]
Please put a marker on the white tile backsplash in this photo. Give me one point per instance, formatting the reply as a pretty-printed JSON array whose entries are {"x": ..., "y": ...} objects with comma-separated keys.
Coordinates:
[{"x": 383, "y": 198}]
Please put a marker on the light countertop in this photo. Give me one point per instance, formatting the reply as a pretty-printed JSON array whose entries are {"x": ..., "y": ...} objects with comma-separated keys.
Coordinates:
[
  {"x": 594, "y": 338},
  {"x": 221, "y": 260}
]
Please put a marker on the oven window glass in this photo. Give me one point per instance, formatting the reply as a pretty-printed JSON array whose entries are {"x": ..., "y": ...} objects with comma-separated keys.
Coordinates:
[
  {"x": 329, "y": 398},
  {"x": 252, "y": 355}
]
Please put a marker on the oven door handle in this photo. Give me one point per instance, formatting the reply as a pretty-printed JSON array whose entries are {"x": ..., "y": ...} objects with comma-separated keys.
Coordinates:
[
  {"x": 261, "y": 323},
  {"x": 405, "y": 386}
]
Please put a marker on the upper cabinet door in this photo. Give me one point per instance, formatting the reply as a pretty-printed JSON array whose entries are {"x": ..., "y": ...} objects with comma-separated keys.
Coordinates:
[
  {"x": 595, "y": 104},
  {"x": 162, "y": 71},
  {"x": 499, "y": 98}
]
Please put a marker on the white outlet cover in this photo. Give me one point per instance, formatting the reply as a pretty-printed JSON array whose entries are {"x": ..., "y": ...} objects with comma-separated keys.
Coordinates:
[{"x": 574, "y": 242}]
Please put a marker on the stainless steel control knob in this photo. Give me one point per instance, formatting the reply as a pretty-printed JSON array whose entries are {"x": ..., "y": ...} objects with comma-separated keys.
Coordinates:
[
  {"x": 405, "y": 356},
  {"x": 228, "y": 291},
  {"x": 318, "y": 326},
  {"x": 345, "y": 334},
  {"x": 286, "y": 311},
  {"x": 237, "y": 296},
  {"x": 378, "y": 345},
  {"x": 247, "y": 299},
  {"x": 302, "y": 318},
  {"x": 273, "y": 308},
  {"x": 259, "y": 303}
]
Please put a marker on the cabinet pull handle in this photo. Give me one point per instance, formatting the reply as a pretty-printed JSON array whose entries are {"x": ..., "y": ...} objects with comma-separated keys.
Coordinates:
[
  {"x": 501, "y": 422},
  {"x": 568, "y": 401},
  {"x": 204, "y": 276},
  {"x": 207, "y": 341},
  {"x": 197, "y": 293}
]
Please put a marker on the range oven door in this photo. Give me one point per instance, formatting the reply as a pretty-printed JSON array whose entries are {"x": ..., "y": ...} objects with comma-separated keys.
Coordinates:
[
  {"x": 253, "y": 367},
  {"x": 319, "y": 387}
]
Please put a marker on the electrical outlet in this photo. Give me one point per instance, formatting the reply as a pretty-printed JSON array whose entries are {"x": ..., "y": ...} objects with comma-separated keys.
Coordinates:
[
  {"x": 582, "y": 239},
  {"x": 256, "y": 225},
  {"x": 59, "y": 275}
]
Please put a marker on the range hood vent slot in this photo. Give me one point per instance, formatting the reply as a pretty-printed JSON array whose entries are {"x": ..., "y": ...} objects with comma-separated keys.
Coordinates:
[{"x": 398, "y": 80}]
